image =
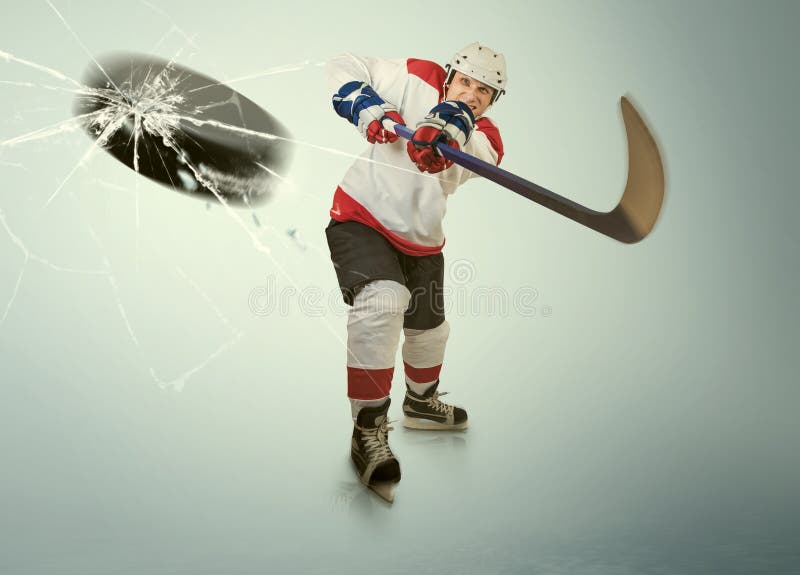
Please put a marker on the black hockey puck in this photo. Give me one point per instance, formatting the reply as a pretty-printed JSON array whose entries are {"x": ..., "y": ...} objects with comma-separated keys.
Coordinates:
[{"x": 183, "y": 129}]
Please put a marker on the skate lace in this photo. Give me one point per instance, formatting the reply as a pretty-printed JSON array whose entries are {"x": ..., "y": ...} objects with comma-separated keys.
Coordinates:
[
  {"x": 376, "y": 441},
  {"x": 437, "y": 405}
]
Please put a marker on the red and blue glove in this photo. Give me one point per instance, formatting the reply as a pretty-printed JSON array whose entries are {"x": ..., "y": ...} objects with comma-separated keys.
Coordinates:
[
  {"x": 450, "y": 122},
  {"x": 360, "y": 104}
]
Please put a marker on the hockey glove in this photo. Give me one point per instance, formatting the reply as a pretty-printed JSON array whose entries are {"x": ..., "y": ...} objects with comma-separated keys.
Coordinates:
[
  {"x": 361, "y": 105},
  {"x": 450, "y": 122}
]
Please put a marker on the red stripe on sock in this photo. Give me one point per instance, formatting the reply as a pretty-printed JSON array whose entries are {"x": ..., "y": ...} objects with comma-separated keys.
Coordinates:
[
  {"x": 422, "y": 374},
  {"x": 369, "y": 383}
]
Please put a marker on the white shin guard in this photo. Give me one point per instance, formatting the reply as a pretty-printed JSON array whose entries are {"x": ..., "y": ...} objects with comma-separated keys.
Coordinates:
[
  {"x": 374, "y": 324},
  {"x": 423, "y": 354}
]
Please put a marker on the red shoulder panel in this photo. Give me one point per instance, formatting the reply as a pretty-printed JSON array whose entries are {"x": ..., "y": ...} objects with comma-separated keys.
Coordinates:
[
  {"x": 429, "y": 72},
  {"x": 486, "y": 126}
]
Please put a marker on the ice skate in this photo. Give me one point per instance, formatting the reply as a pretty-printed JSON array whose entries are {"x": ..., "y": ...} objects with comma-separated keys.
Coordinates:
[
  {"x": 384, "y": 489},
  {"x": 376, "y": 465},
  {"x": 428, "y": 412}
]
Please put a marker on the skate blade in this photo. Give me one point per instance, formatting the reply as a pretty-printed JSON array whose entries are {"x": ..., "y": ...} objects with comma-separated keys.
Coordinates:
[
  {"x": 416, "y": 423},
  {"x": 384, "y": 490}
]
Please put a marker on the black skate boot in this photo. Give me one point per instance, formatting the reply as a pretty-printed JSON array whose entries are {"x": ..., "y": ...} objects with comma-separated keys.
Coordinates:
[
  {"x": 427, "y": 412},
  {"x": 377, "y": 467}
]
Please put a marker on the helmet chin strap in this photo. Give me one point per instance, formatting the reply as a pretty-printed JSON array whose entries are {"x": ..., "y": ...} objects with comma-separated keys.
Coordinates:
[{"x": 448, "y": 77}]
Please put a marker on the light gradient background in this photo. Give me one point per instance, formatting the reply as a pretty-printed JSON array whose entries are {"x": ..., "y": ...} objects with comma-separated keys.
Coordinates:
[{"x": 643, "y": 420}]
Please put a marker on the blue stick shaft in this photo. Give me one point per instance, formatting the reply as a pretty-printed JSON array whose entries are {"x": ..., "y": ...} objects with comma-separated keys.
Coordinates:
[{"x": 523, "y": 187}]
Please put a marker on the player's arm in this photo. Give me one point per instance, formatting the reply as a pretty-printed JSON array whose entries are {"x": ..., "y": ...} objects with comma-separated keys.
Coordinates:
[
  {"x": 485, "y": 143},
  {"x": 355, "y": 83}
]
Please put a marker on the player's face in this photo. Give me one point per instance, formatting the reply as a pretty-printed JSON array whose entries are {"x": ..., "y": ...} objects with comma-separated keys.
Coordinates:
[{"x": 473, "y": 93}]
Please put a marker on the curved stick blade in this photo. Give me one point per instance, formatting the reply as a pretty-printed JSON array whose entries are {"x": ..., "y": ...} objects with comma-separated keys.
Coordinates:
[{"x": 640, "y": 205}]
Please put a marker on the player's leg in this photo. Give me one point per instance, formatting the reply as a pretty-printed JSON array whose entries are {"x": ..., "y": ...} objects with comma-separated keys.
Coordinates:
[
  {"x": 426, "y": 333},
  {"x": 371, "y": 280}
]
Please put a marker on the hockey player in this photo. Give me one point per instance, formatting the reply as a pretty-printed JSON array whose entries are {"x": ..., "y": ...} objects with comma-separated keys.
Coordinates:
[{"x": 386, "y": 237}]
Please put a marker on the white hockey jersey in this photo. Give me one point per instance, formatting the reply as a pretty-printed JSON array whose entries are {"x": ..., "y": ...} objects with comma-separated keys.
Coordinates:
[{"x": 383, "y": 188}]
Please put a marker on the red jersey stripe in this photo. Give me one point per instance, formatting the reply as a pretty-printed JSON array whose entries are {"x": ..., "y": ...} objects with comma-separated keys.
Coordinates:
[{"x": 346, "y": 209}]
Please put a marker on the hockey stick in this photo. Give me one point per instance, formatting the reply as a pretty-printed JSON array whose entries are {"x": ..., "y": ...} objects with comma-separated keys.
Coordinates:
[{"x": 635, "y": 214}]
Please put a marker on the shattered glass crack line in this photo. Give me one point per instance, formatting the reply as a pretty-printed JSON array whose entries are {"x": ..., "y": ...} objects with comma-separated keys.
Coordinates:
[
  {"x": 29, "y": 256},
  {"x": 162, "y": 121}
]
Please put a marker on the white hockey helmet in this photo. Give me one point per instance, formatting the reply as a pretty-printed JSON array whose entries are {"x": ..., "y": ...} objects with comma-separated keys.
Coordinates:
[{"x": 481, "y": 63}]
